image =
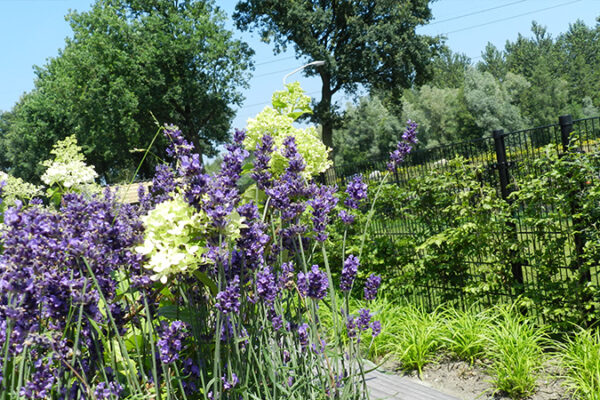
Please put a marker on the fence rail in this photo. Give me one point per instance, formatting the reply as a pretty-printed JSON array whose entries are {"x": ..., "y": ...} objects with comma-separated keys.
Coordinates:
[{"x": 503, "y": 158}]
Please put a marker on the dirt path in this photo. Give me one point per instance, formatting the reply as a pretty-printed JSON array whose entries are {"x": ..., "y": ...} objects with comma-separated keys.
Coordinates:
[{"x": 458, "y": 379}]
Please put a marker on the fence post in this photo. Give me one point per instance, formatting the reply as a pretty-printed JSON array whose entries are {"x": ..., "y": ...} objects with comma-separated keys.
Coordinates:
[
  {"x": 501, "y": 161},
  {"x": 499, "y": 145},
  {"x": 566, "y": 127}
]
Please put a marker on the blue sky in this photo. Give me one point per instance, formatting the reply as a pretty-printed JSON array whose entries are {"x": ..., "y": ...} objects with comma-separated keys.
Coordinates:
[{"x": 33, "y": 30}]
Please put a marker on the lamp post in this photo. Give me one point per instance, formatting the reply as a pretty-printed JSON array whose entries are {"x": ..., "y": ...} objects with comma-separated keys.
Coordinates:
[{"x": 311, "y": 64}]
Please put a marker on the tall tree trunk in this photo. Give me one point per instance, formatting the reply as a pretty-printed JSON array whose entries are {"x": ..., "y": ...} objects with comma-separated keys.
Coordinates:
[{"x": 324, "y": 113}]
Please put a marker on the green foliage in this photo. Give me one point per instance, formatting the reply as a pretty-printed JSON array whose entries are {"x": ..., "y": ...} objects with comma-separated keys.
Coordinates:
[
  {"x": 127, "y": 63},
  {"x": 375, "y": 46},
  {"x": 463, "y": 333},
  {"x": 493, "y": 103},
  {"x": 442, "y": 114},
  {"x": 448, "y": 68},
  {"x": 515, "y": 347},
  {"x": 456, "y": 113},
  {"x": 580, "y": 359},
  {"x": 446, "y": 235},
  {"x": 369, "y": 132},
  {"x": 559, "y": 71},
  {"x": 416, "y": 342},
  {"x": 557, "y": 198}
]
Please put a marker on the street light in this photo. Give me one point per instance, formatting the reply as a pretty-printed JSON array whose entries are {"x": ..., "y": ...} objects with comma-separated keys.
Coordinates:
[{"x": 314, "y": 63}]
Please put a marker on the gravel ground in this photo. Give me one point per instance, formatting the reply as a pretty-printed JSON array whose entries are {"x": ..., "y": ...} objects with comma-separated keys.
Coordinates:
[{"x": 466, "y": 382}]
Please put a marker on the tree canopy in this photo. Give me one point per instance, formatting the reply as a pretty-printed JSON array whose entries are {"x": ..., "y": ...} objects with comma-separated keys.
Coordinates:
[
  {"x": 369, "y": 43},
  {"x": 529, "y": 83},
  {"x": 129, "y": 64},
  {"x": 369, "y": 132}
]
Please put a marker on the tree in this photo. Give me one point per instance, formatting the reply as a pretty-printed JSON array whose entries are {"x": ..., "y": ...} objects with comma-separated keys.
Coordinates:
[
  {"x": 493, "y": 103},
  {"x": 449, "y": 68},
  {"x": 370, "y": 43},
  {"x": 369, "y": 132},
  {"x": 442, "y": 115},
  {"x": 129, "y": 62},
  {"x": 5, "y": 118}
]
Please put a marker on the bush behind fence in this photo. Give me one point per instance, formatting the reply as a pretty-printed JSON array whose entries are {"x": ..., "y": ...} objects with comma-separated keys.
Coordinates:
[{"x": 504, "y": 217}]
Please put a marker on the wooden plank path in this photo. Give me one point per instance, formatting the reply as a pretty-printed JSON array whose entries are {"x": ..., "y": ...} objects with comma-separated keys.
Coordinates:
[{"x": 394, "y": 387}]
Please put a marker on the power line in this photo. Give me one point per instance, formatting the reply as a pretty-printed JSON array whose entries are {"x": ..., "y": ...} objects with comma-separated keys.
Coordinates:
[
  {"x": 271, "y": 73},
  {"x": 267, "y": 103},
  {"x": 475, "y": 13},
  {"x": 275, "y": 60},
  {"x": 512, "y": 17}
]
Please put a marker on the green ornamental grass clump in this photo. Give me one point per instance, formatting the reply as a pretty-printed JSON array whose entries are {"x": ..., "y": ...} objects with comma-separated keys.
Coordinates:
[
  {"x": 515, "y": 348},
  {"x": 417, "y": 339},
  {"x": 580, "y": 360},
  {"x": 464, "y": 333}
]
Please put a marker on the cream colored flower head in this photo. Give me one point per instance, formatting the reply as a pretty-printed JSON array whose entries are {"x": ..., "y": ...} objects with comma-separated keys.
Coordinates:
[
  {"x": 68, "y": 168},
  {"x": 278, "y": 122}
]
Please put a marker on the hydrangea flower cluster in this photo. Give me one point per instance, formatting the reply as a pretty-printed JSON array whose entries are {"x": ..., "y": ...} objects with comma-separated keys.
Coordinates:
[
  {"x": 68, "y": 168},
  {"x": 171, "y": 242},
  {"x": 13, "y": 189},
  {"x": 277, "y": 123}
]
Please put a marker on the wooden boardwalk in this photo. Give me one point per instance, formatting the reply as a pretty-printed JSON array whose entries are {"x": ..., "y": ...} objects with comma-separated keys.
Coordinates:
[{"x": 393, "y": 387}]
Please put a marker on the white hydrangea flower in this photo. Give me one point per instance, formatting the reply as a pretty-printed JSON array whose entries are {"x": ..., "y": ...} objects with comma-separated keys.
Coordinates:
[
  {"x": 68, "y": 169},
  {"x": 17, "y": 189},
  {"x": 173, "y": 238},
  {"x": 278, "y": 122}
]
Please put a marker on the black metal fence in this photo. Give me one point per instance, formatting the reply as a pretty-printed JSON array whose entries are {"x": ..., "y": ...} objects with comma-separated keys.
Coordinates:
[{"x": 503, "y": 157}]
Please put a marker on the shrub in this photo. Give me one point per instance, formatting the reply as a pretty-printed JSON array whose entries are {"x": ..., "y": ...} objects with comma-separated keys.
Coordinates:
[{"x": 201, "y": 292}]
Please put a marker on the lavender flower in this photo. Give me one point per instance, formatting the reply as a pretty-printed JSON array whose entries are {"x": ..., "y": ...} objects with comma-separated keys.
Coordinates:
[
  {"x": 351, "y": 326},
  {"x": 286, "y": 276},
  {"x": 349, "y": 272},
  {"x": 172, "y": 341},
  {"x": 303, "y": 334},
  {"x": 228, "y": 300},
  {"x": 178, "y": 146},
  {"x": 266, "y": 287},
  {"x": 364, "y": 317},
  {"x": 229, "y": 384},
  {"x": 296, "y": 162},
  {"x": 261, "y": 173},
  {"x": 346, "y": 217},
  {"x": 409, "y": 139},
  {"x": 277, "y": 322},
  {"x": 253, "y": 238},
  {"x": 376, "y": 328},
  {"x": 106, "y": 391},
  {"x": 357, "y": 191},
  {"x": 410, "y": 134},
  {"x": 371, "y": 286},
  {"x": 314, "y": 284},
  {"x": 322, "y": 204}
]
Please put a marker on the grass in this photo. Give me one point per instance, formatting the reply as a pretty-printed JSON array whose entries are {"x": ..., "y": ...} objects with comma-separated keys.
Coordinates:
[
  {"x": 512, "y": 348},
  {"x": 416, "y": 340},
  {"x": 580, "y": 359},
  {"x": 516, "y": 351},
  {"x": 463, "y": 334}
]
